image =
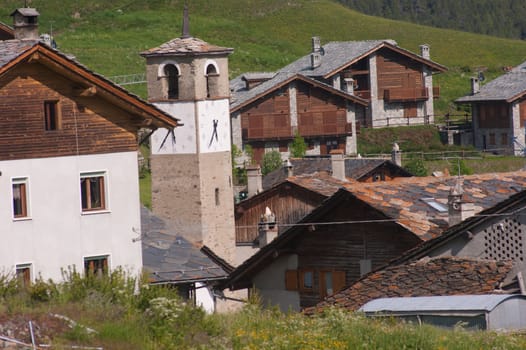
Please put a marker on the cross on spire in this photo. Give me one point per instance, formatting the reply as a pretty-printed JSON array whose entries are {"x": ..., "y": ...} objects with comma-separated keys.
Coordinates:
[{"x": 186, "y": 23}]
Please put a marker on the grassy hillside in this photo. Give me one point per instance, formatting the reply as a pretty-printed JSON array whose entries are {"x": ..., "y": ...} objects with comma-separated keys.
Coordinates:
[{"x": 266, "y": 34}]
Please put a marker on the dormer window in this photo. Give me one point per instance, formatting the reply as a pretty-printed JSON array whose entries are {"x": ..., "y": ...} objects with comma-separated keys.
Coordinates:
[
  {"x": 212, "y": 78},
  {"x": 172, "y": 78}
]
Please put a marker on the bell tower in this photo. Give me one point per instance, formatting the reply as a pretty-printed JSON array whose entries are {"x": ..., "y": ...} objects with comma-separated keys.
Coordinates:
[{"x": 191, "y": 165}]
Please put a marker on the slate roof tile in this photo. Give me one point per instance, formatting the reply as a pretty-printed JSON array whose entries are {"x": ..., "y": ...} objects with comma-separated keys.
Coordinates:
[{"x": 426, "y": 277}]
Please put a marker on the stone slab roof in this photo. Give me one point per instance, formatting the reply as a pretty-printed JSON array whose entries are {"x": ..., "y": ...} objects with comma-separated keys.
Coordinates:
[
  {"x": 403, "y": 198},
  {"x": 426, "y": 277},
  {"x": 170, "y": 258},
  {"x": 354, "y": 168},
  {"x": 185, "y": 47},
  {"x": 335, "y": 56},
  {"x": 11, "y": 49},
  {"x": 507, "y": 87}
]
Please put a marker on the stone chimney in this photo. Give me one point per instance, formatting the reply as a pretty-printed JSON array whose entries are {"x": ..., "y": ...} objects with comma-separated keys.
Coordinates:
[
  {"x": 25, "y": 23},
  {"x": 338, "y": 164},
  {"x": 254, "y": 180},
  {"x": 349, "y": 85},
  {"x": 268, "y": 230},
  {"x": 458, "y": 208},
  {"x": 475, "y": 85},
  {"x": 424, "y": 51},
  {"x": 396, "y": 155},
  {"x": 288, "y": 168},
  {"x": 315, "y": 56}
]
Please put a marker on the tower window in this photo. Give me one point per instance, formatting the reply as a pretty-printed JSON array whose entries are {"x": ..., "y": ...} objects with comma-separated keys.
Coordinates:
[
  {"x": 172, "y": 78},
  {"x": 212, "y": 78},
  {"x": 51, "y": 115},
  {"x": 217, "y": 196}
]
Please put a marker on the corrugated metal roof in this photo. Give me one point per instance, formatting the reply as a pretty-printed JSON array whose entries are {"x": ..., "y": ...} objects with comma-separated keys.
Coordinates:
[{"x": 451, "y": 303}]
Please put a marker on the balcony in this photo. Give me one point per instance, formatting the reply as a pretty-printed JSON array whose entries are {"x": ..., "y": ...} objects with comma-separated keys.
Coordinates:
[
  {"x": 405, "y": 94},
  {"x": 365, "y": 94},
  {"x": 436, "y": 91}
]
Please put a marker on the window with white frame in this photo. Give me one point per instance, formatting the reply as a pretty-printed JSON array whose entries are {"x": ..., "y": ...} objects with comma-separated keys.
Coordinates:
[
  {"x": 23, "y": 274},
  {"x": 96, "y": 266},
  {"x": 93, "y": 191},
  {"x": 20, "y": 188}
]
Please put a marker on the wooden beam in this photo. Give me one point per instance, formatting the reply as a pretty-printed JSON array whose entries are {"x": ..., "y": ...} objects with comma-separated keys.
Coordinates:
[{"x": 85, "y": 91}]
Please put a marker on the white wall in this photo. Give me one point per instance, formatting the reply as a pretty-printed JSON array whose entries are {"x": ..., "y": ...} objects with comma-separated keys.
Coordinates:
[
  {"x": 57, "y": 234},
  {"x": 270, "y": 284}
]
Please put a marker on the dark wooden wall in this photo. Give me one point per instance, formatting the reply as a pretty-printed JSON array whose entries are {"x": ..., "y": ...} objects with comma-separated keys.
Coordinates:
[
  {"x": 268, "y": 118},
  {"x": 288, "y": 202},
  {"x": 397, "y": 72},
  {"x": 320, "y": 113},
  {"x": 493, "y": 115},
  {"x": 341, "y": 247},
  {"x": 89, "y": 124}
]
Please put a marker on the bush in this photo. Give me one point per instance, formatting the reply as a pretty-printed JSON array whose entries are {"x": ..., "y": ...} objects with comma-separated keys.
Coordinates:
[
  {"x": 416, "y": 167},
  {"x": 459, "y": 167},
  {"x": 298, "y": 147},
  {"x": 271, "y": 162}
]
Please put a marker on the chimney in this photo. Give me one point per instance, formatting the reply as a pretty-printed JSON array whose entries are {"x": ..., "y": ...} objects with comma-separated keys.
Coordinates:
[
  {"x": 288, "y": 168},
  {"x": 254, "y": 180},
  {"x": 315, "y": 56},
  {"x": 25, "y": 23},
  {"x": 396, "y": 155},
  {"x": 458, "y": 208},
  {"x": 338, "y": 164},
  {"x": 424, "y": 51},
  {"x": 349, "y": 85},
  {"x": 268, "y": 230},
  {"x": 475, "y": 85}
]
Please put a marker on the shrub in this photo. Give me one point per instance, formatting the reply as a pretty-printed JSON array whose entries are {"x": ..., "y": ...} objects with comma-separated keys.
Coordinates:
[
  {"x": 416, "y": 167},
  {"x": 459, "y": 167},
  {"x": 271, "y": 162},
  {"x": 298, "y": 147}
]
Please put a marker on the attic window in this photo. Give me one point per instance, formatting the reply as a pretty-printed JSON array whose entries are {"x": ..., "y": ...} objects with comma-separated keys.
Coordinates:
[
  {"x": 434, "y": 204},
  {"x": 51, "y": 115}
]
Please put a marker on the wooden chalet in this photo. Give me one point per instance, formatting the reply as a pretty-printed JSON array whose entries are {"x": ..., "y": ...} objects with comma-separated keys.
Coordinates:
[
  {"x": 68, "y": 161},
  {"x": 322, "y": 96},
  {"x": 483, "y": 254},
  {"x": 361, "y": 228},
  {"x": 498, "y": 111}
]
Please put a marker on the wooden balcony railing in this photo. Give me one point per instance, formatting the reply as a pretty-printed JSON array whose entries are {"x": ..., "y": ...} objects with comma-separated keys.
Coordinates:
[
  {"x": 365, "y": 94},
  {"x": 405, "y": 94},
  {"x": 436, "y": 91},
  {"x": 267, "y": 133}
]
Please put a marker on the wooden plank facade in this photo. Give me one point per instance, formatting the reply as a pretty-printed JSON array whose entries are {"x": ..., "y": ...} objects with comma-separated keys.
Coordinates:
[
  {"x": 288, "y": 202},
  {"x": 342, "y": 248},
  {"x": 85, "y": 125}
]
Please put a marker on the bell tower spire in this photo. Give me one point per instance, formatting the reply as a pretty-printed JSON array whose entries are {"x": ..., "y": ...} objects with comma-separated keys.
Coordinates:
[{"x": 186, "y": 24}]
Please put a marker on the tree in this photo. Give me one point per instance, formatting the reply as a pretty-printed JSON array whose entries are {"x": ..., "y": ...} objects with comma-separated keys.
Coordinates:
[
  {"x": 298, "y": 147},
  {"x": 271, "y": 162}
]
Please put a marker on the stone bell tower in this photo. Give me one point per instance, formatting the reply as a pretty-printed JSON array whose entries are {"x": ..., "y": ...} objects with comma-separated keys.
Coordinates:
[{"x": 191, "y": 165}]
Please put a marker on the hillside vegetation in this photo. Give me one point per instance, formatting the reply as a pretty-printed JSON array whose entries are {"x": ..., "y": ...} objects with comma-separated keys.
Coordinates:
[
  {"x": 504, "y": 18},
  {"x": 265, "y": 34}
]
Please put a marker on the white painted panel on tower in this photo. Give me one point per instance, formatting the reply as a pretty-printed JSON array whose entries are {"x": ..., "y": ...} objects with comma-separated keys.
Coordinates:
[
  {"x": 214, "y": 126},
  {"x": 183, "y": 139}
]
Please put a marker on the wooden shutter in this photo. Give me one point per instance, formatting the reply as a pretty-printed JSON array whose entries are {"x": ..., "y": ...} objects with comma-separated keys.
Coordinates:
[
  {"x": 338, "y": 280},
  {"x": 291, "y": 280}
]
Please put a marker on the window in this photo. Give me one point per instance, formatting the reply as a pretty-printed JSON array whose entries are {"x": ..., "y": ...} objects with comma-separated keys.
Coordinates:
[
  {"x": 23, "y": 274},
  {"x": 504, "y": 139},
  {"x": 306, "y": 279},
  {"x": 92, "y": 191},
  {"x": 217, "y": 195},
  {"x": 20, "y": 198},
  {"x": 96, "y": 266},
  {"x": 211, "y": 81},
  {"x": 435, "y": 205},
  {"x": 172, "y": 76},
  {"x": 51, "y": 115},
  {"x": 492, "y": 141},
  {"x": 331, "y": 282}
]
